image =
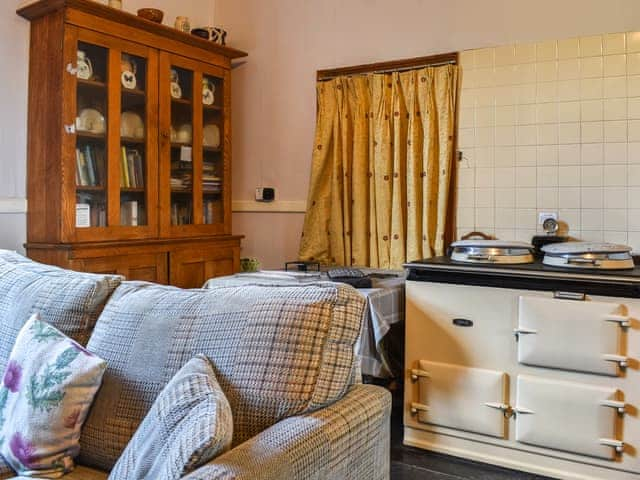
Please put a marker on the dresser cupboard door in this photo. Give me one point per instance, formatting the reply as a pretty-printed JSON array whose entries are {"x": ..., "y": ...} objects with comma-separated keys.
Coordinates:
[
  {"x": 583, "y": 336},
  {"x": 191, "y": 268},
  {"x": 144, "y": 267},
  {"x": 462, "y": 398},
  {"x": 568, "y": 416}
]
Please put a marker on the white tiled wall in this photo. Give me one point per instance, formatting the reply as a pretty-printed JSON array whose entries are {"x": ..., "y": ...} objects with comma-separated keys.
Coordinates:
[{"x": 552, "y": 127}]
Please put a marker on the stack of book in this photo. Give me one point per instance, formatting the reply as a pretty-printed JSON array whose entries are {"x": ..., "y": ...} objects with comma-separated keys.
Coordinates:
[
  {"x": 181, "y": 175},
  {"x": 90, "y": 212},
  {"x": 211, "y": 183},
  {"x": 89, "y": 166},
  {"x": 131, "y": 169}
]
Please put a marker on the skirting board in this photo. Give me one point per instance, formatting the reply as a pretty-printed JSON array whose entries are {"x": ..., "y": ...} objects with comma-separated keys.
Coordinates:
[
  {"x": 278, "y": 206},
  {"x": 13, "y": 205}
]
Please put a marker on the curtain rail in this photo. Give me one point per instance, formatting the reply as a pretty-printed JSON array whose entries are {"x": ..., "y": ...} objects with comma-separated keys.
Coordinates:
[{"x": 389, "y": 67}]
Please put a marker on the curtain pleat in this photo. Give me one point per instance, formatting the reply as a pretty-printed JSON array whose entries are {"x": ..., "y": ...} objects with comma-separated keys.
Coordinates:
[{"x": 381, "y": 170}]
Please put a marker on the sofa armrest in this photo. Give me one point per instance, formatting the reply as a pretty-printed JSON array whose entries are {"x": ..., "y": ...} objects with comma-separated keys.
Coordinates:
[{"x": 348, "y": 440}]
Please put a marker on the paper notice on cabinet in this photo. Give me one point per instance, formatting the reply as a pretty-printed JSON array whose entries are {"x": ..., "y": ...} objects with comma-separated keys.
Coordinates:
[
  {"x": 185, "y": 154},
  {"x": 83, "y": 215}
]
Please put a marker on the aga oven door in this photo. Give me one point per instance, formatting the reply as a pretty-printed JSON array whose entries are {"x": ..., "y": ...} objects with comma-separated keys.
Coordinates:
[{"x": 584, "y": 336}]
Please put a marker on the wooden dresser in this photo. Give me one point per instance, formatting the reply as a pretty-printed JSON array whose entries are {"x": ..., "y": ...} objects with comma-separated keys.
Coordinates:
[{"x": 129, "y": 146}]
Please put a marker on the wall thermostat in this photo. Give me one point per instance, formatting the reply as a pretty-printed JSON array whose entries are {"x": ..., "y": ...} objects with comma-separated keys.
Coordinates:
[{"x": 265, "y": 194}]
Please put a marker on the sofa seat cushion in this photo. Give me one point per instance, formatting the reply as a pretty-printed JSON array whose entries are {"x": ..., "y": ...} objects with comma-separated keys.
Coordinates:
[
  {"x": 189, "y": 424},
  {"x": 79, "y": 473},
  {"x": 69, "y": 301},
  {"x": 277, "y": 351}
]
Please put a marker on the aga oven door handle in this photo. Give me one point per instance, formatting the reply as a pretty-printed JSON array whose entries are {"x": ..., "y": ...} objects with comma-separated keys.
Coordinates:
[
  {"x": 523, "y": 331},
  {"x": 610, "y": 442},
  {"x": 621, "y": 360},
  {"x": 620, "y": 407},
  {"x": 621, "y": 320}
]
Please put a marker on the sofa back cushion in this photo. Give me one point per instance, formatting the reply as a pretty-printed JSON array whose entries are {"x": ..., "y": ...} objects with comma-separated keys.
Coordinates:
[
  {"x": 276, "y": 351},
  {"x": 69, "y": 301}
]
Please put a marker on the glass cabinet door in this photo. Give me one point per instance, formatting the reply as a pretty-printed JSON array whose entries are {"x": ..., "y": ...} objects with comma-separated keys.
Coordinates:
[
  {"x": 112, "y": 139},
  {"x": 193, "y": 161}
]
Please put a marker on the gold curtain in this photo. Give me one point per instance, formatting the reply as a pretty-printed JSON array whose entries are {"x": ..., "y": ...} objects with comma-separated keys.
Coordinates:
[{"x": 382, "y": 166}]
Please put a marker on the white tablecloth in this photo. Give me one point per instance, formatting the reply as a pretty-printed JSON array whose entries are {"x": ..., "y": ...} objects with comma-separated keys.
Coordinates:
[{"x": 385, "y": 306}]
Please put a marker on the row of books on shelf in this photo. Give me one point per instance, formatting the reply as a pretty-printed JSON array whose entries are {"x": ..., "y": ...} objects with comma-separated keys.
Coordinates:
[
  {"x": 181, "y": 213},
  {"x": 89, "y": 166},
  {"x": 211, "y": 211},
  {"x": 92, "y": 213},
  {"x": 131, "y": 169},
  {"x": 131, "y": 213}
]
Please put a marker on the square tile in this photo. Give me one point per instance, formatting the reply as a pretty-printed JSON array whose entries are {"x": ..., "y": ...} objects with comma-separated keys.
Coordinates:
[
  {"x": 526, "y": 93},
  {"x": 615, "y": 109},
  {"x": 547, "y": 155},
  {"x": 468, "y": 97},
  {"x": 614, "y": 43},
  {"x": 548, "y": 134},
  {"x": 546, "y": 113},
  {"x": 615, "y": 197},
  {"x": 484, "y": 77},
  {"x": 505, "y": 217},
  {"x": 633, "y": 64},
  {"x": 620, "y": 238},
  {"x": 592, "y": 154},
  {"x": 633, "y": 219},
  {"x": 526, "y": 135},
  {"x": 505, "y": 136},
  {"x": 466, "y": 59},
  {"x": 615, "y": 153},
  {"x": 569, "y": 48},
  {"x": 466, "y": 198},
  {"x": 483, "y": 157},
  {"x": 525, "y": 53},
  {"x": 591, "y": 219},
  {"x": 568, "y": 133},
  {"x": 569, "y": 69},
  {"x": 634, "y": 242},
  {"x": 484, "y": 136},
  {"x": 569, "y": 112},
  {"x": 591, "y": 110},
  {"x": 547, "y": 71},
  {"x": 633, "y": 197},
  {"x": 568, "y": 90},
  {"x": 569, "y": 197},
  {"x": 571, "y": 217},
  {"x": 615, "y": 131},
  {"x": 524, "y": 73},
  {"x": 526, "y": 197},
  {"x": 633, "y": 42},
  {"x": 569, "y": 154},
  {"x": 466, "y": 178},
  {"x": 465, "y": 217},
  {"x": 466, "y": 137},
  {"x": 634, "y": 130},
  {"x": 483, "y": 58},
  {"x": 525, "y": 177},
  {"x": 546, "y": 51},
  {"x": 615, "y": 65},
  {"x": 484, "y": 116},
  {"x": 484, "y": 177},
  {"x": 615, "y": 87},
  {"x": 615, "y": 176},
  {"x": 505, "y": 197},
  {"x": 504, "y": 75},
  {"x": 526, "y": 156},
  {"x": 591, "y": 46},
  {"x": 505, "y": 157},
  {"x": 505, "y": 115},
  {"x": 591, "y": 88},
  {"x": 506, "y": 95},
  {"x": 633, "y": 86},
  {"x": 505, "y": 55},
  {"x": 591, "y": 67},
  {"x": 591, "y": 197},
  {"x": 634, "y": 175},
  {"x": 633, "y": 152},
  {"x": 547, "y": 198},
  {"x": 592, "y": 132},
  {"x": 505, "y": 177},
  {"x": 569, "y": 176},
  {"x": 484, "y": 198},
  {"x": 527, "y": 113},
  {"x": 485, "y": 218},
  {"x": 467, "y": 118},
  {"x": 485, "y": 97},
  {"x": 547, "y": 177},
  {"x": 592, "y": 176},
  {"x": 546, "y": 92},
  {"x": 592, "y": 235},
  {"x": 633, "y": 108},
  {"x": 526, "y": 218}
]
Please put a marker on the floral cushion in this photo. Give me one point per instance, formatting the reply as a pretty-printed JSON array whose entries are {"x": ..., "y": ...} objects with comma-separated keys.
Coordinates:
[
  {"x": 189, "y": 424},
  {"x": 45, "y": 395}
]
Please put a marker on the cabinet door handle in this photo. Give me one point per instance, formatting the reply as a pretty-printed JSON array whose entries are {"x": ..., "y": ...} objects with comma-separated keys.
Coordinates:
[
  {"x": 610, "y": 442},
  {"x": 621, "y": 360},
  {"x": 418, "y": 407},
  {"x": 164, "y": 135},
  {"x": 621, "y": 320},
  {"x": 416, "y": 374},
  {"x": 621, "y": 407}
]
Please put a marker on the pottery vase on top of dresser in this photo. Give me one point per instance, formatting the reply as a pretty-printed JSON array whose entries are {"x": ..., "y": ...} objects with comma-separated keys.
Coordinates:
[{"x": 112, "y": 188}]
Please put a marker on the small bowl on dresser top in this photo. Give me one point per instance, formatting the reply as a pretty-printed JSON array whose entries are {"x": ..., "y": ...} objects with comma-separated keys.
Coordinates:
[
  {"x": 201, "y": 32},
  {"x": 151, "y": 14}
]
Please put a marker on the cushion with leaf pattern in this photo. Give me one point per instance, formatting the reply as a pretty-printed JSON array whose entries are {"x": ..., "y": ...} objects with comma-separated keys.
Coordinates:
[{"x": 45, "y": 394}]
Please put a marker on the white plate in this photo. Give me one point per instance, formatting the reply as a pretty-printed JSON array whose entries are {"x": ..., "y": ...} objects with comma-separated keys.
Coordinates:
[
  {"x": 211, "y": 136},
  {"x": 131, "y": 125},
  {"x": 90, "y": 120}
]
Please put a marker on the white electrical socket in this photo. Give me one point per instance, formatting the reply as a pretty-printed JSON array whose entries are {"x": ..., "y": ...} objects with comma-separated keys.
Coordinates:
[{"x": 542, "y": 216}]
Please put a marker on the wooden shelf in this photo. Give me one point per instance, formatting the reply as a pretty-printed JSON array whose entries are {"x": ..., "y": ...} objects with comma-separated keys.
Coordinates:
[
  {"x": 180, "y": 145},
  {"x": 92, "y": 84},
  {"x": 90, "y": 135},
  {"x": 89, "y": 188},
  {"x": 133, "y": 92},
  {"x": 132, "y": 190},
  {"x": 137, "y": 141},
  {"x": 211, "y": 108},
  {"x": 211, "y": 149},
  {"x": 181, "y": 101}
]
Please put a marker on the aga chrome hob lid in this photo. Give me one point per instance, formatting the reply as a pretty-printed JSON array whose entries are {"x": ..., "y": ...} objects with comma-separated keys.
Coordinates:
[
  {"x": 491, "y": 251},
  {"x": 605, "y": 256}
]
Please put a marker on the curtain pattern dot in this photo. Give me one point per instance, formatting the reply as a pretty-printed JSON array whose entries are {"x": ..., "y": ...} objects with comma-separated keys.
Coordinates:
[{"x": 381, "y": 170}]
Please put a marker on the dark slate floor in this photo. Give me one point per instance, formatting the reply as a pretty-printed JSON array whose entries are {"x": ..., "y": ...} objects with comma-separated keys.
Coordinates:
[{"x": 409, "y": 463}]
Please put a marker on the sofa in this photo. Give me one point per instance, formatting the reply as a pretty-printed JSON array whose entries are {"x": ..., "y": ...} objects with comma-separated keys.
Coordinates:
[{"x": 284, "y": 357}]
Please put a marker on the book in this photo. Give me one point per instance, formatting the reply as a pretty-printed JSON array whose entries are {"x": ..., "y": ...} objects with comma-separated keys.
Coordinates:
[
  {"x": 83, "y": 215},
  {"x": 91, "y": 169},
  {"x": 82, "y": 168},
  {"x": 124, "y": 170},
  {"x": 129, "y": 213}
]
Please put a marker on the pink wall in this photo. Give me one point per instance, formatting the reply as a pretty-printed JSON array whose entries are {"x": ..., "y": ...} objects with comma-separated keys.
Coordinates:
[{"x": 288, "y": 40}]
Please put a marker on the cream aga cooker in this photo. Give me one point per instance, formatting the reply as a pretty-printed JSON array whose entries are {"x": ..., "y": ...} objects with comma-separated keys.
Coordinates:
[{"x": 524, "y": 363}]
